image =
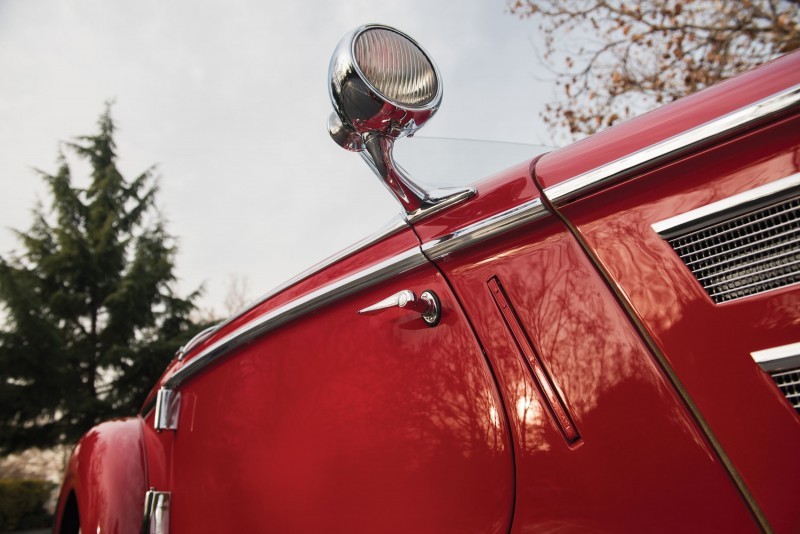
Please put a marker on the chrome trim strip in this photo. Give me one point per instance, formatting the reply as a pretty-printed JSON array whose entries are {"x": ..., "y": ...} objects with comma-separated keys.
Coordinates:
[
  {"x": 325, "y": 295},
  {"x": 730, "y": 207},
  {"x": 167, "y": 410},
  {"x": 394, "y": 225},
  {"x": 485, "y": 229},
  {"x": 598, "y": 177},
  {"x": 778, "y": 358},
  {"x": 196, "y": 340}
]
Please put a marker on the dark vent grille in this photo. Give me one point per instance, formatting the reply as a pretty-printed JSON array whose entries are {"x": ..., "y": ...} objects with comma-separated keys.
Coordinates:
[
  {"x": 747, "y": 254},
  {"x": 789, "y": 384}
]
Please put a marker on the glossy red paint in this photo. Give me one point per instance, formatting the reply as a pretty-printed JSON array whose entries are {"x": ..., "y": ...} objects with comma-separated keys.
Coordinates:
[
  {"x": 396, "y": 243},
  {"x": 348, "y": 423},
  {"x": 641, "y": 464},
  {"x": 535, "y": 405},
  {"x": 496, "y": 194},
  {"x": 709, "y": 345},
  {"x": 669, "y": 120},
  {"x": 106, "y": 473}
]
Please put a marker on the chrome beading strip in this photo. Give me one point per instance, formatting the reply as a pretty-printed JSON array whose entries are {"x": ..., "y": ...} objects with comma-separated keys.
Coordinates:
[
  {"x": 778, "y": 358},
  {"x": 730, "y": 207},
  {"x": 485, "y": 229},
  {"x": 327, "y": 294},
  {"x": 602, "y": 176},
  {"x": 196, "y": 340},
  {"x": 396, "y": 224}
]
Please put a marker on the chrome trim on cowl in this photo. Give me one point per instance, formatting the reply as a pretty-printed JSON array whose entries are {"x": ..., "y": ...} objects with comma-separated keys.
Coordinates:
[
  {"x": 485, "y": 229},
  {"x": 396, "y": 224},
  {"x": 730, "y": 207},
  {"x": 778, "y": 358},
  {"x": 196, "y": 340},
  {"x": 323, "y": 296},
  {"x": 602, "y": 176}
]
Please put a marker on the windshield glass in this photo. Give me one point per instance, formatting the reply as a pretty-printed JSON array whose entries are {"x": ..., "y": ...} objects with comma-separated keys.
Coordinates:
[{"x": 445, "y": 162}]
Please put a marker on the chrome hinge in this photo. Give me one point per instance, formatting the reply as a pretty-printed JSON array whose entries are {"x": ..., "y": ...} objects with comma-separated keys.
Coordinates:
[
  {"x": 156, "y": 512},
  {"x": 168, "y": 403}
]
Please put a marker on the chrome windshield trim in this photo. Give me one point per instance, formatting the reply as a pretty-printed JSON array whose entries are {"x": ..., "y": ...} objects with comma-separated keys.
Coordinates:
[
  {"x": 590, "y": 181},
  {"x": 196, "y": 340},
  {"x": 778, "y": 358},
  {"x": 733, "y": 206},
  {"x": 394, "y": 225},
  {"x": 485, "y": 229},
  {"x": 323, "y": 296}
]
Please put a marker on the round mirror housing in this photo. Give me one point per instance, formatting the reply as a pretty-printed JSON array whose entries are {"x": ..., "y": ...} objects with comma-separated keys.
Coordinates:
[{"x": 382, "y": 82}]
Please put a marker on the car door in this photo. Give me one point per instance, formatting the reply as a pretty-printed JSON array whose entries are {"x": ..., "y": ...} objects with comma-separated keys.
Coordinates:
[
  {"x": 602, "y": 441},
  {"x": 337, "y": 421}
]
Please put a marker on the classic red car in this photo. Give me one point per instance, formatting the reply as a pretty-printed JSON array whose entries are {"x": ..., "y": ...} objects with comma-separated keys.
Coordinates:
[{"x": 605, "y": 337}]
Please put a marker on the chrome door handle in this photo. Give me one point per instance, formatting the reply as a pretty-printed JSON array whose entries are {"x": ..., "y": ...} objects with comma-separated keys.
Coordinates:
[{"x": 427, "y": 305}]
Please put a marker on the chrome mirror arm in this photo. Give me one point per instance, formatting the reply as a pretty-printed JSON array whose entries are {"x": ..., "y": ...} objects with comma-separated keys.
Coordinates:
[{"x": 417, "y": 201}]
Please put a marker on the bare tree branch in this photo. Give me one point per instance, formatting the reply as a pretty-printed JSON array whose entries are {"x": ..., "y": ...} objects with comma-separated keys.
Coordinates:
[{"x": 635, "y": 54}]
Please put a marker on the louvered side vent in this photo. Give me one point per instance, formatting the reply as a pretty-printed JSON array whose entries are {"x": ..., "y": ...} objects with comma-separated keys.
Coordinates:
[
  {"x": 789, "y": 384},
  {"x": 745, "y": 254}
]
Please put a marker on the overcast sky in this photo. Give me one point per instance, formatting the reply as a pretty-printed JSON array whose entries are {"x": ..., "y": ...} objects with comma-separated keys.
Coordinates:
[{"x": 230, "y": 99}]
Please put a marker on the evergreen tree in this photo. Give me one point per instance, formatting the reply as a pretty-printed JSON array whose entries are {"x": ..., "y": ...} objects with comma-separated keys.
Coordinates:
[{"x": 91, "y": 316}]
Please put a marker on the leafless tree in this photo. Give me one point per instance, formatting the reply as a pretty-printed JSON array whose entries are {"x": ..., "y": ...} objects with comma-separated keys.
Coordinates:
[
  {"x": 617, "y": 58},
  {"x": 237, "y": 296}
]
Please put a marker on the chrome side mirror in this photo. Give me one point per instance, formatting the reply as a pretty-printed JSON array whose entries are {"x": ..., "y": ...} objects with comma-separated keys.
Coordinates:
[{"x": 383, "y": 86}]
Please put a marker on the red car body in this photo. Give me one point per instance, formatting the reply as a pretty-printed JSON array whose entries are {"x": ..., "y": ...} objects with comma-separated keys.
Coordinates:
[{"x": 580, "y": 378}]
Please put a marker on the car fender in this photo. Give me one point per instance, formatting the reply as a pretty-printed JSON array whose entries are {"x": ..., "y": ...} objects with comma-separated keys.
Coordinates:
[{"x": 106, "y": 481}]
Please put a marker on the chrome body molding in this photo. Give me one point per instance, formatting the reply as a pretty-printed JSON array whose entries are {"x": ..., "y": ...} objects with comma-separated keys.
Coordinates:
[
  {"x": 323, "y": 296},
  {"x": 778, "y": 358},
  {"x": 196, "y": 340},
  {"x": 727, "y": 208},
  {"x": 156, "y": 512},
  {"x": 396, "y": 224},
  {"x": 602, "y": 176},
  {"x": 485, "y": 229}
]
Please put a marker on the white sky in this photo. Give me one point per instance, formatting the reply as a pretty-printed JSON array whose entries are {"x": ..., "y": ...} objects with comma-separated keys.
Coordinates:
[{"x": 230, "y": 99}]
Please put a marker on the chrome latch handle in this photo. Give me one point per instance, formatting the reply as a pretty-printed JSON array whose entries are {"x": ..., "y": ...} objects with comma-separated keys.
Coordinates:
[{"x": 428, "y": 305}]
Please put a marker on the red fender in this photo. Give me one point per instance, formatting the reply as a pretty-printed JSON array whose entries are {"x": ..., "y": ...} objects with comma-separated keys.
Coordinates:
[{"x": 106, "y": 479}]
